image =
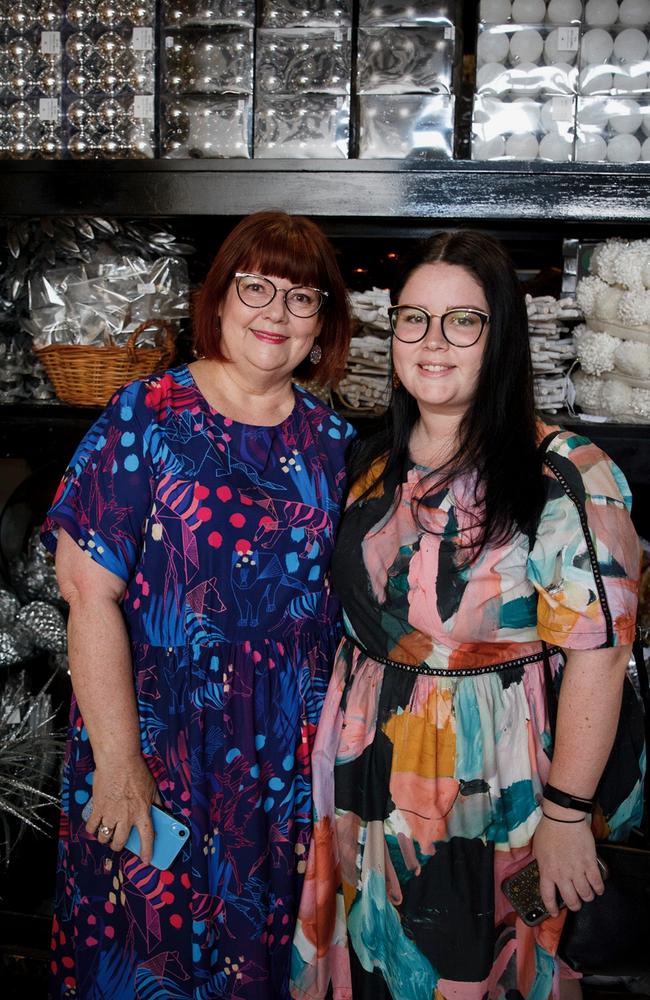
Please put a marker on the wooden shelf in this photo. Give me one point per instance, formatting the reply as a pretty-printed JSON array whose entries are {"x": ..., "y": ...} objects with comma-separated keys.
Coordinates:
[{"x": 395, "y": 191}]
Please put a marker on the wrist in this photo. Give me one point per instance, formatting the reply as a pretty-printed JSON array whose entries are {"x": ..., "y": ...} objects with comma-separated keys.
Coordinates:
[
  {"x": 566, "y": 800},
  {"x": 567, "y": 816}
]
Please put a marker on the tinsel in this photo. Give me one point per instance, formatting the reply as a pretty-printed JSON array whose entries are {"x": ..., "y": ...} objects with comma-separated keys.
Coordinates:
[
  {"x": 29, "y": 754},
  {"x": 9, "y": 608}
]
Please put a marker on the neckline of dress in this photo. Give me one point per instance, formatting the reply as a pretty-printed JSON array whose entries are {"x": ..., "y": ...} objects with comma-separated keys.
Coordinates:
[{"x": 231, "y": 422}]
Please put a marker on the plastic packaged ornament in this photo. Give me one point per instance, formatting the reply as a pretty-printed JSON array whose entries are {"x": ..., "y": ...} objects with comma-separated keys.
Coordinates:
[
  {"x": 492, "y": 47},
  {"x": 80, "y": 13},
  {"x": 601, "y": 13},
  {"x": 555, "y": 50},
  {"x": 522, "y": 146},
  {"x": 596, "y": 47},
  {"x": 526, "y": 46},
  {"x": 564, "y": 11},
  {"x": 555, "y": 147},
  {"x": 590, "y": 149},
  {"x": 495, "y": 11},
  {"x": 630, "y": 46},
  {"x": 528, "y": 11},
  {"x": 634, "y": 13},
  {"x": 624, "y": 115},
  {"x": 624, "y": 148}
]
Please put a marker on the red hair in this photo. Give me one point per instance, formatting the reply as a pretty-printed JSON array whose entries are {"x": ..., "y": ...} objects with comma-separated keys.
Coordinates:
[{"x": 291, "y": 247}]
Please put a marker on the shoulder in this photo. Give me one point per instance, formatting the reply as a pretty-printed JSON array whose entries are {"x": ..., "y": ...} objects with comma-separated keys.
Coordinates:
[
  {"x": 587, "y": 469},
  {"x": 148, "y": 399},
  {"x": 324, "y": 418}
]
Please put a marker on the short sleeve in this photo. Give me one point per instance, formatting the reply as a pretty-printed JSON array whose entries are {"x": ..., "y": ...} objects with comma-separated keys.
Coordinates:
[
  {"x": 106, "y": 492},
  {"x": 585, "y": 536}
]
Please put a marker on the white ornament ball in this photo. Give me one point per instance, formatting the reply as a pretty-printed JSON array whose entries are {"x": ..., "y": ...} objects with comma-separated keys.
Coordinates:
[
  {"x": 528, "y": 11},
  {"x": 596, "y": 47},
  {"x": 593, "y": 111},
  {"x": 492, "y": 46},
  {"x": 495, "y": 11},
  {"x": 623, "y": 149},
  {"x": 490, "y": 149},
  {"x": 624, "y": 115},
  {"x": 555, "y": 147},
  {"x": 634, "y": 12},
  {"x": 645, "y": 120},
  {"x": 629, "y": 83},
  {"x": 601, "y": 12},
  {"x": 522, "y": 146},
  {"x": 645, "y": 150},
  {"x": 595, "y": 80},
  {"x": 521, "y": 116},
  {"x": 564, "y": 11},
  {"x": 492, "y": 77},
  {"x": 630, "y": 46},
  {"x": 552, "y": 51},
  {"x": 549, "y": 122},
  {"x": 591, "y": 148},
  {"x": 526, "y": 46}
]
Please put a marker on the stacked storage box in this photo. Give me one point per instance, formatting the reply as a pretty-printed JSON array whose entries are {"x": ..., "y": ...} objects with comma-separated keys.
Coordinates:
[
  {"x": 302, "y": 80},
  {"x": 407, "y": 78},
  {"x": 562, "y": 81},
  {"x": 207, "y": 78}
]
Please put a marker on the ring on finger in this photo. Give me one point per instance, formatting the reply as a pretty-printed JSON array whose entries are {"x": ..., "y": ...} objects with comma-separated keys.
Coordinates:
[{"x": 105, "y": 831}]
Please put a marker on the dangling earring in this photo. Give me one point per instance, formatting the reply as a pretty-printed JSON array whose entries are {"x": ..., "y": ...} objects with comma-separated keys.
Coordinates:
[
  {"x": 315, "y": 354},
  {"x": 396, "y": 380}
]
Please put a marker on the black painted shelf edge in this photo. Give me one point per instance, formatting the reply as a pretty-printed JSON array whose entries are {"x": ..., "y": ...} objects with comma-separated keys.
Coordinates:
[{"x": 370, "y": 189}]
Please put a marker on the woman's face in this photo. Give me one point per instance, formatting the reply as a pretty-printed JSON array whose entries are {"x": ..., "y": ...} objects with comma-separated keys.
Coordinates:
[
  {"x": 441, "y": 378},
  {"x": 268, "y": 339}
]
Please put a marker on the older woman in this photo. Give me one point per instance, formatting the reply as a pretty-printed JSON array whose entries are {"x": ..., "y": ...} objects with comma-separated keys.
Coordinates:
[
  {"x": 477, "y": 543},
  {"x": 193, "y": 533}
]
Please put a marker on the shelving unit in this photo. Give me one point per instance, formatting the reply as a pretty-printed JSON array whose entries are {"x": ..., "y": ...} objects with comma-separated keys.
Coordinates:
[{"x": 399, "y": 193}]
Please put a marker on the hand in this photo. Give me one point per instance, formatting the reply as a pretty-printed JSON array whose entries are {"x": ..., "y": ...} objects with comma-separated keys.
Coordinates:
[
  {"x": 566, "y": 855},
  {"x": 122, "y": 797}
]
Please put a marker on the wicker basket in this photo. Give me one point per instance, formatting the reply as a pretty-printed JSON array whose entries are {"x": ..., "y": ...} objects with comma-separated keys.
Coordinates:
[{"x": 88, "y": 376}]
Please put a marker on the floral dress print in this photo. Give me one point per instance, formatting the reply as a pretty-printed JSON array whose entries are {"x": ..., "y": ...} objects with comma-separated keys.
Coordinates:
[
  {"x": 223, "y": 534},
  {"x": 433, "y": 746}
]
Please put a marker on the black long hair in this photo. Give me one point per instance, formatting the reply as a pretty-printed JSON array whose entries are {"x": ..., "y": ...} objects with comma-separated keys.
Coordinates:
[{"x": 497, "y": 434}]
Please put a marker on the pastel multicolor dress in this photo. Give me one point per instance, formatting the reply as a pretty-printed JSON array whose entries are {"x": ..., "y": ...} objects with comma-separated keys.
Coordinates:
[
  {"x": 222, "y": 533},
  {"x": 434, "y": 741}
]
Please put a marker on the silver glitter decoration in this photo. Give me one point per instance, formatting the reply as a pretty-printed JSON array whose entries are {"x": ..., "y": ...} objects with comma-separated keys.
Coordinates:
[
  {"x": 9, "y": 608},
  {"x": 16, "y": 644},
  {"x": 46, "y": 624}
]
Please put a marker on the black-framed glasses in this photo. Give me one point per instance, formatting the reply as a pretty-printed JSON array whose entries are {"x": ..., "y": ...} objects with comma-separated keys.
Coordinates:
[
  {"x": 460, "y": 327},
  {"x": 256, "y": 291}
]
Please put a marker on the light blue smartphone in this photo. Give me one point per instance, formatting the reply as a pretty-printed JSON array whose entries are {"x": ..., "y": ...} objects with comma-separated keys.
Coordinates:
[{"x": 169, "y": 835}]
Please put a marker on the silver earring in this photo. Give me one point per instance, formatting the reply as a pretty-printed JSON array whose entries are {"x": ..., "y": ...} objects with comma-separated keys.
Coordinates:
[{"x": 315, "y": 354}]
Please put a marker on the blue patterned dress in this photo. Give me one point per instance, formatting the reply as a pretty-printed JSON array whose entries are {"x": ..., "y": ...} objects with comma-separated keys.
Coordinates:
[{"x": 222, "y": 533}]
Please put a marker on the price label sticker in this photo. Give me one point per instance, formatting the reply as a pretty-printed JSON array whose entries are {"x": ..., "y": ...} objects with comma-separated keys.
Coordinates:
[
  {"x": 146, "y": 288},
  {"x": 562, "y": 109},
  {"x": 568, "y": 39},
  {"x": 51, "y": 43},
  {"x": 143, "y": 106},
  {"x": 449, "y": 32},
  {"x": 142, "y": 39},
  {"x": 48, "y": 109},
  {"x": 169, "y": 41}
]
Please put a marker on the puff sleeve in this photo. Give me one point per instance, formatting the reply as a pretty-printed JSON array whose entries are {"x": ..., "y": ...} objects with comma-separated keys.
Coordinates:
[
  {"x": 106, "y": 493},
  {"x": 584, "y": 562}
]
